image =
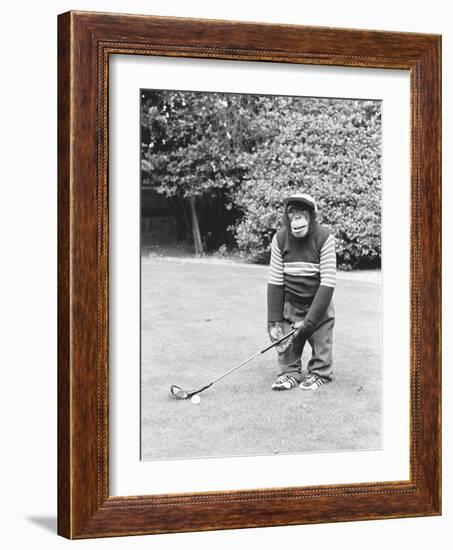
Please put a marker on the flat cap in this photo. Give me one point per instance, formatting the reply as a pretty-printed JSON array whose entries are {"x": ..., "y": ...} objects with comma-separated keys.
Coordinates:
[{"x": 302, "y": 198}]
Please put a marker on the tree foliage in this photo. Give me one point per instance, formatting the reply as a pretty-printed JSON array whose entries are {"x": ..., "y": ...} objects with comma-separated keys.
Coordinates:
[
  {"x": 330, "y": 149},
  {"x": 191, "y": 141},
  {"x": 252, "y": 151}
]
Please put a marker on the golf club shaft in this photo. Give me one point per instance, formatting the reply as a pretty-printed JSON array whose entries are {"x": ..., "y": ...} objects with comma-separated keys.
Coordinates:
[{"x": 253, "y": 356}]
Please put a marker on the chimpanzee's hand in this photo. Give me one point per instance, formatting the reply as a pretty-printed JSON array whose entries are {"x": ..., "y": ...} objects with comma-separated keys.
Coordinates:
[
  {"x": 304, "y": 328},
  {"x": 300, "y": 328},
  {"x": 275, "y": 330}
]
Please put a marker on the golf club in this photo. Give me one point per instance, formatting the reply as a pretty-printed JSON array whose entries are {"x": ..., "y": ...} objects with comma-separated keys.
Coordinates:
[{"x": 179, "y": 393}]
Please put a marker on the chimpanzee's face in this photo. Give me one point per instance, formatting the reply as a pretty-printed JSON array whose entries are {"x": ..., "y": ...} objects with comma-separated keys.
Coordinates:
[{"x": 299, "y": 218}]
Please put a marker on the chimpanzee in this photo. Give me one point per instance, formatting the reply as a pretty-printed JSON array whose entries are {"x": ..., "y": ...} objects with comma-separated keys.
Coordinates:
[{"x": 302, "y": 279}]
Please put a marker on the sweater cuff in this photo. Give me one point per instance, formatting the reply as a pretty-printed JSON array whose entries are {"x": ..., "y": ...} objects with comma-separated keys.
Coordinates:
[
  {"x": 309, "y": 327},
  {"x": 275, "y": 302}
]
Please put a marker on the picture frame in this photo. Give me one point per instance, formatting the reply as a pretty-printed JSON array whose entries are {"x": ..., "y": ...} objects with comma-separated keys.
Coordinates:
[{"x": 85, "y": 507}]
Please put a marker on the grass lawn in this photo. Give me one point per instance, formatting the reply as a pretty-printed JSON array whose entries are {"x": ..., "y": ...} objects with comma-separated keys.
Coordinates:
[{"x": 199, "y": 319}]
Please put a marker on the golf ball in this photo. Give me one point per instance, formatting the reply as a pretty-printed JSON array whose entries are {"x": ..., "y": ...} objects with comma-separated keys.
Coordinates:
[{"x": 195, "y": 399}]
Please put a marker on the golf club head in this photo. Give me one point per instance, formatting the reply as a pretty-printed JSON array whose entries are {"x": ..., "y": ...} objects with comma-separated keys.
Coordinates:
[{"x": 178, "y": 392}]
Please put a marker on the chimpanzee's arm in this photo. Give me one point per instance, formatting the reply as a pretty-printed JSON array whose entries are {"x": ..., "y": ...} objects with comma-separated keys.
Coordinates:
[
  {"x": 275, "y": 286},
  {"x": 323, "y": 296}
]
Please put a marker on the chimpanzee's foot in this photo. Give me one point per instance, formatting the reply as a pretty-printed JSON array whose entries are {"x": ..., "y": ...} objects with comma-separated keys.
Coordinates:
[
  {"x": 284, "y": 382},
  {"x": 312, "y": 382}
]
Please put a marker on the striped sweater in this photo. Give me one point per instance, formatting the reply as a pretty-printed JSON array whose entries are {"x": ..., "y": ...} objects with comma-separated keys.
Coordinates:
[{"x": 303, "y": 271}]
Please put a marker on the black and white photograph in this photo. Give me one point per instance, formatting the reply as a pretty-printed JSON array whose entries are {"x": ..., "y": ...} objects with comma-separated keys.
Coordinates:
[{"x": 261, "y": 305}]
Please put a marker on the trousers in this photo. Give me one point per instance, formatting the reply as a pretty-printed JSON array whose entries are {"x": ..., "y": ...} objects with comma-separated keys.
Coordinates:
[{"x": 321, "y": 343}]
